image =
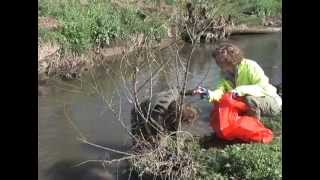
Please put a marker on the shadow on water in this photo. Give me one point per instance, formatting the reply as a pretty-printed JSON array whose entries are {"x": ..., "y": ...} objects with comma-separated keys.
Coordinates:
[
  {"x": 64, "y": 170},
  {"x": 76, "y": 169},
  {"x": 58, "y": 147}
]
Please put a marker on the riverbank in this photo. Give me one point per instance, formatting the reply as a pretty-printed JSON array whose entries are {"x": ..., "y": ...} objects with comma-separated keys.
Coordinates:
[{"x": 72, "y": 34}]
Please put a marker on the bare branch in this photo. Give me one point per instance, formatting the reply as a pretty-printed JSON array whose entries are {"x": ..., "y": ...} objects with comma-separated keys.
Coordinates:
[
  {"x": 205, "y": 76},
  {"x": 104, "y": 148},
  {"x": 106, "y": 161},
  {"x": 183, "y": 90},
  {"x": 71, "y": 123},
  {"x": 153, "y": 74}
]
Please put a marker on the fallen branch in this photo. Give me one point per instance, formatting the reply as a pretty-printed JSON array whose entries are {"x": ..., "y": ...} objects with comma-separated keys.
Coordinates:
[{"x": 252, "y": 30}]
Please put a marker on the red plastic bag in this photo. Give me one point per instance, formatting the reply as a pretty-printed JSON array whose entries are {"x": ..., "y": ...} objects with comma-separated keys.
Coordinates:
[{"x": 229, "y": 123}]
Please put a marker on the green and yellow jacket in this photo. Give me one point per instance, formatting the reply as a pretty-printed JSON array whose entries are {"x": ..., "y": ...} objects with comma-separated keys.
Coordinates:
[{"x": 249, "y": 80}]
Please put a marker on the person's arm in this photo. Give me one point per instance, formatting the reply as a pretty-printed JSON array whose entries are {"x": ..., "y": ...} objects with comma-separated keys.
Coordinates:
[{"x": 222, "y": 87}]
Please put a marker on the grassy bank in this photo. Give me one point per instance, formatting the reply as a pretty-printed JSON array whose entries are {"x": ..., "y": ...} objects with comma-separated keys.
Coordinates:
[
  {"x": 71, "y": 28},
  {"x": 212, "y": 158},
  {"x": 240, "y": 161},
  {"x": 95, "y": 23}
]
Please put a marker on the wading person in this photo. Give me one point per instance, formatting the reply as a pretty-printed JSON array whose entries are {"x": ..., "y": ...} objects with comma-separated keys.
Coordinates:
[{"x": 243, "y": 78}]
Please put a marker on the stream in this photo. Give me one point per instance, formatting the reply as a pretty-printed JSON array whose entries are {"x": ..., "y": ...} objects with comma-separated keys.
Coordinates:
[{"x": 68, "y": 110}]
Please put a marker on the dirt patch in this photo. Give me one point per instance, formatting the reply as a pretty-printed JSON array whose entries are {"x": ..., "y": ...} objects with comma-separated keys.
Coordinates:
[
  {"x": 47, "y": 49},
  {"x": 273, "y": 21},
  {"x": 108, "y": 52},
  {"x": 51, "y": 62},
  {"x": 48, "y": 23},
  {"x": 114, "y": 51},
  {"x": 69, "y": 66},
  {"x": 150, "y": 7}
]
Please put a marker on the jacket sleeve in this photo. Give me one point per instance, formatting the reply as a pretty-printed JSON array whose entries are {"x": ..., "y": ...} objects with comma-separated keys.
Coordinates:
[
  {"x": 258, "y": 80},
  {"x": 222, "y": 87}
]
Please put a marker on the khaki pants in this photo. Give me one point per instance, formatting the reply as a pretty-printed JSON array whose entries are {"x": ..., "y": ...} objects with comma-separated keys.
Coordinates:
[{"x": 262, "y": 106}]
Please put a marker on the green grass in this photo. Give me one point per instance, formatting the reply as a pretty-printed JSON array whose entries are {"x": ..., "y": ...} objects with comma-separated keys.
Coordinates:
[
  {"x": 256, "y": 7},
  {"x": 95, "y": 24},
  {"x": 171, "y": 2},
  {"x": 100, "y": 22},
  {"x": 274, "y": 123},
  {"x": 244, "y": 161},
  {"x": 266, "y": 7}
]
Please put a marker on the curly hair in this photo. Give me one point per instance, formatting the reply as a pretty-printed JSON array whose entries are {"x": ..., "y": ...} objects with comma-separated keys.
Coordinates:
[{"x": 228, "y": 53}]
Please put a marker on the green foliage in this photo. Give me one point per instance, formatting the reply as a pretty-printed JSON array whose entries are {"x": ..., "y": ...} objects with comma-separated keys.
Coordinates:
[
  {"x": 170, "y": 2},
  {"x": 95, "y": 24},
  {"x": 209, "y": 161},
  {"x": 253, "y": 161},
  {"x": 266, "y": 7},
  {"x": 239, "y": 10},
  {"x": 244, "y": 161},
  {"x": 274, "y": 123},
  {"x": 256, "y": 7},
  {"x": 51, "y": 36}
]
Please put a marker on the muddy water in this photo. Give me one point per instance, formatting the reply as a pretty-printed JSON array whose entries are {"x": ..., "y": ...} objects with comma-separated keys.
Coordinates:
[{"x": 68, "y": 110}]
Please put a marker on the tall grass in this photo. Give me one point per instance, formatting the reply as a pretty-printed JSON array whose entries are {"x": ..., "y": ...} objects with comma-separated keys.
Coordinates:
[
  {"x": 96, "y": 23},
  {"x": 266, "y": 7}
]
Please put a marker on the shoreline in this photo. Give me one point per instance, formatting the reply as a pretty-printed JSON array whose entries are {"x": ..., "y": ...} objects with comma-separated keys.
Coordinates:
[{"x": 50, "y": 61}]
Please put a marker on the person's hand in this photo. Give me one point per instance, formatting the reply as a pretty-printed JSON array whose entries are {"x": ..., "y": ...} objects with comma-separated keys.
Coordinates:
[{"x": 203, "y": 92}]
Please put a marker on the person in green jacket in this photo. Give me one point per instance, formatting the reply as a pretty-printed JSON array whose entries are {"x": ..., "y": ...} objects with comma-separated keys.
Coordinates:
[{"x": 243, "y": 77}]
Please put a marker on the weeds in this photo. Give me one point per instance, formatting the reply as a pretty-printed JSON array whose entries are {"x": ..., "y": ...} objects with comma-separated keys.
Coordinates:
[
  {"x": 95, "y": 24},
  {"x": 165, "y": 160}
]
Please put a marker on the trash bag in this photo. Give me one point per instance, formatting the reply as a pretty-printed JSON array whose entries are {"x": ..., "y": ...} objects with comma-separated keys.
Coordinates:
[{"x": 229, "y": 121}]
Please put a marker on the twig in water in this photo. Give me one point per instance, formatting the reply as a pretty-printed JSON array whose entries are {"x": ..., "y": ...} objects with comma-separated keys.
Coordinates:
[
  {"x": 104, "y": 148},
  {"x": 72, "y": 124}
]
